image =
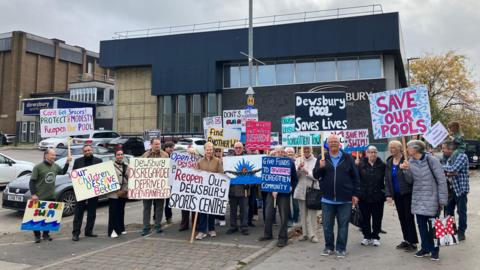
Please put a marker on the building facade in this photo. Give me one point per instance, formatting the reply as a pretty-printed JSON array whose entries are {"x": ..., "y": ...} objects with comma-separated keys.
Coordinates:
[
  {"x": 171, "y": 82},
  {"x": 35, "y": 67}
]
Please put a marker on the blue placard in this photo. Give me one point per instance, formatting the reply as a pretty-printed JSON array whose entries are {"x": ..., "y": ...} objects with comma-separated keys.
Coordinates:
[{"x": 276, "y": 174}]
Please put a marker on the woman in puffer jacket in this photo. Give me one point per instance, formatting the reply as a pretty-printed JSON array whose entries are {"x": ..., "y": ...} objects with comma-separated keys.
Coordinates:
[{"x": 429, "y": 194}]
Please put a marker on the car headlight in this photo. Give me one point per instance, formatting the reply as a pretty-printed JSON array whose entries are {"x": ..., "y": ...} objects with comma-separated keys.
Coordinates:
[
  {"x": 6, "y": 190},
  {"x": 475, "y": 158}
]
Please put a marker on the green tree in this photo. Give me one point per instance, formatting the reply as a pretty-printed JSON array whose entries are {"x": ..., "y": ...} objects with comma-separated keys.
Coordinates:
[{"x": 452, "y": 91}]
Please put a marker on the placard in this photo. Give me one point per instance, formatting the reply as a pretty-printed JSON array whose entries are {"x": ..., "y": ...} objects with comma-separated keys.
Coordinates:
[
  {"x": 351, "y": 140},
  {"x": 211, "y": 122},
  {"x": 276, "y": 174},
  {"x": 66, "y": 122},
  {"x": 236, "y": 119},
  {"x": 274, "y": 139},
  {"x": 246, "y": 169},
  {"x": 258, "y": 135},
  {"x": 148, "y": 178},
  {"x": 400, "y": 112},
  {"x": 200, "y": 191},
  {"x": 94, "y": 181},
  {"x": 302, "y": 139},
  {"x": 42, "y": 216},
  {"x": 436, "y": 134},
  {"x": 223, "y": 137},
  {"x": 288, "y": 124},
  {"x": 318, "y": 111},
  {"x": 181, "y": 160}
]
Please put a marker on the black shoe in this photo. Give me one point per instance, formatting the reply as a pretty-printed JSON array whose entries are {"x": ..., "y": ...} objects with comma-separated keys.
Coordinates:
[
  {"x": 37, "y": 239},
  {"x": 47, "y": 237},
  {"x": 421, "y": 253},
  {"x": 382, "y": 231},
  {"x": 434, "y": 256},
  {"x": 232, "y": 230},
  {"x": 461, "y": 237},
  {"x": 75, "y": 238},
  {"x": 245, "y": 232},
  {"x": 265, "y": 238},
  {"x": 90, "y": 235},
  {"x": 403, "y": 245},
  {"x": 411, "y": 247},
  {"x": 145, "y": 232},
  {"x": 281, "y": 244},
  {"x": 158, "y": 230},
  {"x": 251, "y": 224},
  {"x": 182, "y": 229}
]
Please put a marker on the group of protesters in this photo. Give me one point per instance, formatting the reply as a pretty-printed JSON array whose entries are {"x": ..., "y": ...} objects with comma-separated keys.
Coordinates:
[{"x": 419, "y": 184}]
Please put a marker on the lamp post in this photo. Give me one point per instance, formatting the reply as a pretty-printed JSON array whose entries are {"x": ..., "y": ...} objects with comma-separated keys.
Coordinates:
[{"x": 250, "y": 92}]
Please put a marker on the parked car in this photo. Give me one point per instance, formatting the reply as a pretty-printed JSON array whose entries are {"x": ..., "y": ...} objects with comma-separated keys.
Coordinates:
[
  {"x": 11, "y": 168},
  {"x": 98, "y": 137},
  {"x": 17, "y": 192},
  {"x": 473, "y": 153},
  {"x": 6, "y": 138},
  {"x": 196, "y": 143},
  {"x": 77, "y": 149},
  {"x": 130, "y": 145},
  {"x": 52, "y": 143}
]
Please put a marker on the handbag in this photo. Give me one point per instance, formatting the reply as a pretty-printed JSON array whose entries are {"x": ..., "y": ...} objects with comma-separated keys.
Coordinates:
[
  {"x": 356, "y": 217},
  {"x": 313, "y": 198},
  {"x": 444, "y": 231}
]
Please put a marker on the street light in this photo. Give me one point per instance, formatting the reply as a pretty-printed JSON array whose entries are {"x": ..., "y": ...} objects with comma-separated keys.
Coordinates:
[
  {"x": 408, "y": 67},
  {"x": 250, "y": 92}
]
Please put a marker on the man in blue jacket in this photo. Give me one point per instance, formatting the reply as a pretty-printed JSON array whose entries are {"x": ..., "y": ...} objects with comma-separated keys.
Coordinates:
[{"x": 340, "y": 185}]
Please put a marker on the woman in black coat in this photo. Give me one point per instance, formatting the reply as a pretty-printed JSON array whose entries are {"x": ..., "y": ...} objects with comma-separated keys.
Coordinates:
[{"x": 372, "y": 198}]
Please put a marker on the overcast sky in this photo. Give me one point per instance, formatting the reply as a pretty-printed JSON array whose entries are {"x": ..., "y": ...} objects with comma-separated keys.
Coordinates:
[{"x": 429, "y": 26}]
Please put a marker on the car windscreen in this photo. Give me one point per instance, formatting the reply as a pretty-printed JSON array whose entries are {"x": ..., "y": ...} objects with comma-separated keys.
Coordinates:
[{"x": 82, "y": 136}]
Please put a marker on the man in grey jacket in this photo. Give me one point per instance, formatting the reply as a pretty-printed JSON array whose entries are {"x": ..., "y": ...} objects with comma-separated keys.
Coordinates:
[{"x": 429, "y": 194}]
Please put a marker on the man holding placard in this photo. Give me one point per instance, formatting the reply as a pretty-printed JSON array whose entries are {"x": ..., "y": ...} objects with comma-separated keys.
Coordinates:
[
  {"x": 42, "y": 182},
  {"x": 90, "y": 204},
  {"x": 154, "y": 152}
]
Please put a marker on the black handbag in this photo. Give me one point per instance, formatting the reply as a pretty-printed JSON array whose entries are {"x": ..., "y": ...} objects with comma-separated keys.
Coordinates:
[
  {"x": 356, "y": 217},
  {"x": 313, "y": 198}
]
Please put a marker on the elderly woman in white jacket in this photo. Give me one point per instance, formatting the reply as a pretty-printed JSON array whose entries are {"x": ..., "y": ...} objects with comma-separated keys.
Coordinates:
[{"x": 308, "y": 217}]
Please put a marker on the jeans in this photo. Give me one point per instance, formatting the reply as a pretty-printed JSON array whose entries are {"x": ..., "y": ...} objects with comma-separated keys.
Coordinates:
[
  {"x": 403, "y": 203},
  {"x": 295, "y": 211},
  {"x": 461, "y": 203},
  {"x": 283, "y": 206},
  {"x": 264, "y": 207},
  {"x": 147, "y": 213},
  {"x": 372, "y": 219},
  {"x": 91, "y": 206},
  {"x": 205, "y": 222},
  {"x": 342, "y": 213},
  {"x": 235, "y": 203},
  {"x": 427, "y": 234}
]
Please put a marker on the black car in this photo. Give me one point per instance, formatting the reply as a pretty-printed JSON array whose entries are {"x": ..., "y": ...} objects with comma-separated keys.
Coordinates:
[
  {"x": 61, "y": 152},
  {"x": 130, "y": 145},
  {"x": 17, "y": 192},
  {"x": 473, "y": 153}
]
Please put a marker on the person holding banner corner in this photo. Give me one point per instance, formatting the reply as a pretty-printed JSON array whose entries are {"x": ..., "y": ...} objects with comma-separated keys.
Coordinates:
[
  {"x": 91, "y": 204},
  {"x": 42, "y": 183}
]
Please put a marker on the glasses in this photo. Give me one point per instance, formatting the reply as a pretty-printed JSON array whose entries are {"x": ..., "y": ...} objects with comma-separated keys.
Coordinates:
[
  {"x": 238, "y": 147},
  {"x": 119, "y": 154}
]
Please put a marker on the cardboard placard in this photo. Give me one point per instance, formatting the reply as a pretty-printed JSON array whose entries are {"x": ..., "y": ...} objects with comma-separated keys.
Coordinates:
[
  {"x": 223, "y": 137},
  {"x": 258, "y": 135},
  {"x": 318, "y": 111},
  {"x": 66, "y": 122},
  {"x": 436, "y": 134},
  {"x": 42, "y": 216},
  {"x": 148, "y": 178},
  {"x": 94, "y": 181},
  {"x": 276, "y": 174},
  {"x": 245, "y": 169}
]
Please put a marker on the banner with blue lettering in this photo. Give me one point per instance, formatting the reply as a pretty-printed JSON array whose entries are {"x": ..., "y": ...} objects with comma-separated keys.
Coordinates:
[{"x": 276, "y": 174}]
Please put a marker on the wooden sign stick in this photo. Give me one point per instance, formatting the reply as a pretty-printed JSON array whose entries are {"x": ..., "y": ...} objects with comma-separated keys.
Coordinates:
[
  {"x": 194, "y": 226},
  {"x": 404, "y": 147}
]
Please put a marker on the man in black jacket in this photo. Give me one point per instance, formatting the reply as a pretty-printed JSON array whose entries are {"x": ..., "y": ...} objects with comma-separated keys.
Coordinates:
[
  {"x": 283, "y": 206},
  {"x": 91, "y": 204},
  {"x": 340, "y": 185}
]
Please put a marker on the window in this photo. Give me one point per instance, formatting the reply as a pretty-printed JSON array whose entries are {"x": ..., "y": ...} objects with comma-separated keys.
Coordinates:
[
  {"x": 304, "y": 71},
  {"x": 284, "y": 73},
  {"x": 24, "y": 131},
  {"x": 325, "y": 70},
  {"x": 181, "y": 113},
  {"x": 370, "y": 67},
  {"x": 167, "y": 114},
  {"x": 244, "y": 79},
  {"x": 90, "y": 68},
  {"x": 100, "y": 94},
  {"x": 112, "y": 94},
  {"x": 32, "y": 132},
  {"x": 196, "y": 113},
  {"x": 347, "y": 69},
  {"x": 266, "y": 74},
  {"x": 231, "y": 76},
  {"x": 211, "y": 104}
]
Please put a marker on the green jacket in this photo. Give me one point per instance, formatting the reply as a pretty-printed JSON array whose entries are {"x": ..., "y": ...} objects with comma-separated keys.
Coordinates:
[{"x": 42, "y": 181}]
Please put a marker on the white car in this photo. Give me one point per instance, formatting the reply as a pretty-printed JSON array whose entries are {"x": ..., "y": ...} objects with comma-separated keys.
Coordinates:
[
  {"x": 52, "y": 143},
  {"x": 195, "y": 143},
  {"x": 97, "y": 137},
  {"x": 10, "y": 168}
]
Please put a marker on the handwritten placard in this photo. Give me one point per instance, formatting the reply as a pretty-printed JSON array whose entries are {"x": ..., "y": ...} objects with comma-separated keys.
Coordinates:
[
  {"x": 94, "y": 181},
  {"x": 223, "y": 137},
  {"x": 302, "y": 139},
  {"x": 436, "y": 134},
  {"x": 400, "y": 112},
  {"x": 243, "y": 170},
  {"x": 258, "y": 135},
  {"x": 65, "y": 122},
  {"x": 351, "y": 140},
  {"x": 318, "y": 111},
  {"x": 42, "y": 216},
  {"x": 148, "y": 178},
  {"x": 200, "y": 191},
  {"x": 276, "y": 174},
  {"x": 181, "y": 160}
]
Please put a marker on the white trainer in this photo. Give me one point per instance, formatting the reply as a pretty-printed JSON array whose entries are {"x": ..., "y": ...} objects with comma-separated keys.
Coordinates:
[
  {"x": 376, "y": 242},
  {"x": 365, "y": 242},
  {"x": 114, "y": 234}
]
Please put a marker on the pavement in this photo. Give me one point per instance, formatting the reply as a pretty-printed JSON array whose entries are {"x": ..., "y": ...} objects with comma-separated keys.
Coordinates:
[{"x": 172, "y": 249}]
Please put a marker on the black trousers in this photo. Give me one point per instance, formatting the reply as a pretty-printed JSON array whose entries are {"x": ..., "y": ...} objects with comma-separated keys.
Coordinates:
[
  {"x": 403, "y": 203},
  {"x": 38, "y": 233},
  {"x": 238, "y": 203},
  {"x": 91, "y": 206},
  {"x": 283, "y": 206},
  {"x": 116, "y": 215},
  {"x": 184, "y": 224},
  {"x": 168, "y": 210},
  {"x": 372, "y": 219},
  {"x": 252, "y": 204}
]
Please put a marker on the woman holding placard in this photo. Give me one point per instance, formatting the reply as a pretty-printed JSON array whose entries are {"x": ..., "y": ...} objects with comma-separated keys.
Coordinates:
[{"x": 118, "y": 199}]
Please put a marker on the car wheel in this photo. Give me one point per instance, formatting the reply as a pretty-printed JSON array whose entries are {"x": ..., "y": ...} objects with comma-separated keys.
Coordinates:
[
  {"x": 60, "y": 145},
  {"x": 24, "y": 173},
  {"x": 69, "y": 200}
]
